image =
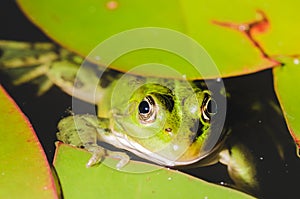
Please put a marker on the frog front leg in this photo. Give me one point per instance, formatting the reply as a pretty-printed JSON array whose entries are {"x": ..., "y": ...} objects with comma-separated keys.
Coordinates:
[{"x": 84, "y": 131}]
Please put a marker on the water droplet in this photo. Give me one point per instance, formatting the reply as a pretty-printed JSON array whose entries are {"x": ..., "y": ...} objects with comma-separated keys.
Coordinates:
[
  {"x": 205, "y": 197},
  {"x": 160, "y": 117},
  {"x": 259, "y": 121},
  {"x": 97, "y": 58},
  {"x": 261, "y": 158},
  {"x": 175, "y": 147},
  {"x": 193, "y": 109},
  {"x": 219, "y": 79},
  {"x": 243, "y": 27},
  {"x": 222, "y": 183},
  {"x": 112, "y": 5},
  {"x": 296, "y": 61},
  {"x": 169, "y": 178},
  {"x": 184, "y": 76}
]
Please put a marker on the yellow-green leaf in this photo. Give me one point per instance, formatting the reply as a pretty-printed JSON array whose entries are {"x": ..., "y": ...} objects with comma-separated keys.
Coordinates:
[
  {"x": 24, "y": 170},
  {"x": 282, "y": 38},
  {"x": 286, "y": 82},
  {"x": 101, "y": 181},
  {"x": 82, "y": 25}
]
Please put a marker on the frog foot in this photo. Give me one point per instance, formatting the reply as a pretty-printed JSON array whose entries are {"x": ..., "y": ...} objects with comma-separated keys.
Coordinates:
[
  {"x": 99, "y": 153},
  {"x": 124, "y": 158}
]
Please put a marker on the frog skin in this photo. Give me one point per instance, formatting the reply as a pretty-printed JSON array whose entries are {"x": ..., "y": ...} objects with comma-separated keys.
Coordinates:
[{"x": 165, "y": 121}]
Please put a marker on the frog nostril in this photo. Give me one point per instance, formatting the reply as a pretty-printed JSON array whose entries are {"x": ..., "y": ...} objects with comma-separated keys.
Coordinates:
[{"x": 168, "y": 130}]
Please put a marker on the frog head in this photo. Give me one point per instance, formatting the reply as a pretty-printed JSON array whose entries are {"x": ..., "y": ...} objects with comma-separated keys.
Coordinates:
[{"x": 166, "y": 122}]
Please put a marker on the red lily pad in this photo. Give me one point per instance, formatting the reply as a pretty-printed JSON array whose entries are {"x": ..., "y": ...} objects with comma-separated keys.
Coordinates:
[{"x": 24, "y": 170}]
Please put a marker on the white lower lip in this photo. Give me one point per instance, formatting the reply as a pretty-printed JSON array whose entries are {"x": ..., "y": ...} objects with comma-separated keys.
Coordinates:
[
  {"x": 142, "y": 152},
  {"x": 122, "y": 141}
]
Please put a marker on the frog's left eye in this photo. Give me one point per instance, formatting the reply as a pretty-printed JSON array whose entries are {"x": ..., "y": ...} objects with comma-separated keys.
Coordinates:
[
  {"x": 209, "y": 108},
  {"x": 147, "y": 110}
]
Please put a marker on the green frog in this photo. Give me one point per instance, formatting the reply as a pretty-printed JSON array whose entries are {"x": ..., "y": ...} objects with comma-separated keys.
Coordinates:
[
  {"x": 166, "y": 121},
  {"x": 171, "y": 122}
]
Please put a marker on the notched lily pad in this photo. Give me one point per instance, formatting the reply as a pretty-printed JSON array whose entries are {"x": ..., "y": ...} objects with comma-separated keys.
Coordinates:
[
  {"x": 101, "y": 181},
  {"x": 82, "y": 25}
]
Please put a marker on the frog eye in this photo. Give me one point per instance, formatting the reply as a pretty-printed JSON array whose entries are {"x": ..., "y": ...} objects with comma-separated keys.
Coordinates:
[
  {"x": 147, "y": 110},
  {"x": 209, "y": 108}
]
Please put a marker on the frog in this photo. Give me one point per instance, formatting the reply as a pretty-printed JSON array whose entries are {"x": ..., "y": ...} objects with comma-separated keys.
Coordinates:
[
  {"x": 166, "y": 121},
  {"x": 158, "y": 123},
  {"x": 169, "y": 122}
]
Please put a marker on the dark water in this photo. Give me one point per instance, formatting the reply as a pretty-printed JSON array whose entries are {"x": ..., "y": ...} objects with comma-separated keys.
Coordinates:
[{"x": 256, "y": 129}]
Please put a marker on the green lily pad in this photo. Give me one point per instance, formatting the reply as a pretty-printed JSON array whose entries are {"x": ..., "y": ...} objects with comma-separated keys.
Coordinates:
[
  {"x": 286, "y": 81},
  {"x": 101, "y": 181},
  {"x": 82, "y": 25},
  {"x": 24, "y": 169}
]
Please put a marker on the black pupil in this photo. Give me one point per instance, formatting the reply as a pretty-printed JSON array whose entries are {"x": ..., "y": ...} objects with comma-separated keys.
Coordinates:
[
  {"x": 212, "y": 107},
  {"x": 144, "y": 107}
]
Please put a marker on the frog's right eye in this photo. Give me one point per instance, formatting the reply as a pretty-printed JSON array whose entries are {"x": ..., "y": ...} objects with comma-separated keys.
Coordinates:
[{"x": 147, "y": 110}]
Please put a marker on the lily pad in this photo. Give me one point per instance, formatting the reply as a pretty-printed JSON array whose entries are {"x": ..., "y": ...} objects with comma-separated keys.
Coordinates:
[
  {"x": 24, "y": 169},
  {"x": 286, "y": 81},
  {"x": 282, "y": 38},
  {"x": 101, "y": 181},
  {"x": 82, "y": 25}
]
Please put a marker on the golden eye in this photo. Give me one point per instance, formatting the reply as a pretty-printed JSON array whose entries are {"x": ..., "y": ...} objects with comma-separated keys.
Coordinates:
[
  {"x": 209, "y": 108},
  {"x": 147, "y": 110}
]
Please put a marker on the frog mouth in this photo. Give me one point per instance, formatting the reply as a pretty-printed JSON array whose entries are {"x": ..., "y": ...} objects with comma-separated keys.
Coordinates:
[{"x": 124, "y": 141}]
